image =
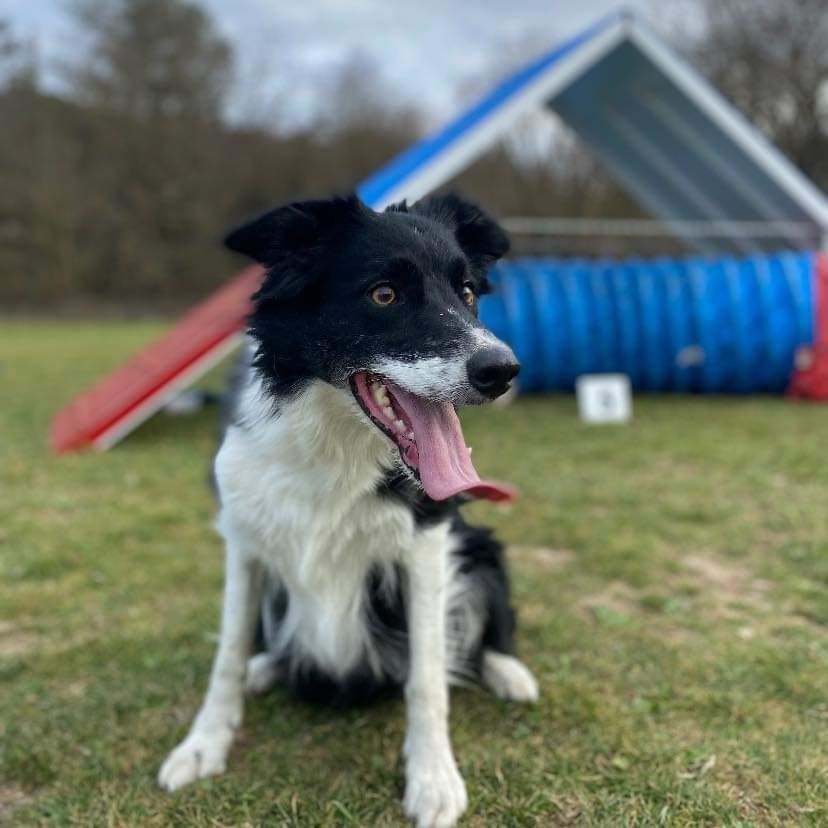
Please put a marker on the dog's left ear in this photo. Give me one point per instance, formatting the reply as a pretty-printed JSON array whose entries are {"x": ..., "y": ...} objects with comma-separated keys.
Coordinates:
[
  {"x": 291, "y": 229},
  {"x": 480, "y": 237},
  {"x": 291, "y": 242}
]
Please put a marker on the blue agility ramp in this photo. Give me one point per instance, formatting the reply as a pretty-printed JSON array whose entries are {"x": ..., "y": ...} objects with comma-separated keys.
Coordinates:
[{"x": 695, "y": 325}]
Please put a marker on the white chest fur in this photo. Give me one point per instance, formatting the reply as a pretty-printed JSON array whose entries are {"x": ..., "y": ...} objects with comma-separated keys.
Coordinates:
[{"x": 298, "y": 493}]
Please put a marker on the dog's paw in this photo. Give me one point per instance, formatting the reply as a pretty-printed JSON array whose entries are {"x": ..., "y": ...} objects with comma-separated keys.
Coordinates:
[
  {"x": 435, "y": 795},
  {"x": 508, "y": 678},
  {"x": 262, "y": 673},
  {"x": 203, "y": 753}
]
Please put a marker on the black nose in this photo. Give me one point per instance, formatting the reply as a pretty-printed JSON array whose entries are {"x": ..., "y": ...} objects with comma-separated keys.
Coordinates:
[{"x": 491, "y": 369}]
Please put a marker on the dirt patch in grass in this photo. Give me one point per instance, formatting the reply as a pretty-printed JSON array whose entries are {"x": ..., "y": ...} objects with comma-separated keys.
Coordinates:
[
  {"x": 750, "y": 808},
  {"x": 14, "y": 641},
  {"x": 732, "y": 592},
  {"x": 12, "y": 798},
  {"x": 545, "y": 557},
  {"x": 616, "y": 601},
  {"x": 727, "y": 582}
]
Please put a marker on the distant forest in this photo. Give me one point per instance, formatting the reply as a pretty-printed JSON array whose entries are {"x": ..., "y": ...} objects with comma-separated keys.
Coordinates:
[{"x": 116, "y": 193}]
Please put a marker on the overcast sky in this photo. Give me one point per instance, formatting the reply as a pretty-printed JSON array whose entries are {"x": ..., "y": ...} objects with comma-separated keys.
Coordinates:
[{"x": 427, "y": 51}]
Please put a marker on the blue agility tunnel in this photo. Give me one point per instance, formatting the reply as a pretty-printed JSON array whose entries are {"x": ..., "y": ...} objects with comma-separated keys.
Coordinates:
[{"x": 696, "y": 325}]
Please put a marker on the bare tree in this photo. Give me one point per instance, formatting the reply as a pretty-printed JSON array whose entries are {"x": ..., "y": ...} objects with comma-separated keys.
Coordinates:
[
  {"x": 361, "y": 123},
  {"x": 770, "y": 58},
  {"x": 151, "y": 59},
  {"x": 18, "y": 67}
]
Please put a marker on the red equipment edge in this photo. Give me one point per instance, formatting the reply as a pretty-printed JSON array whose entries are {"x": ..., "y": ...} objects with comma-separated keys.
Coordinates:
[
  {"x": 810, "y": 377},
  {"x": 101, "y": 416}
]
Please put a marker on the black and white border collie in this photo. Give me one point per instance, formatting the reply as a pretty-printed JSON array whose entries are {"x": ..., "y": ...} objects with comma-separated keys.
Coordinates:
[{"x": 348, "y": 565}]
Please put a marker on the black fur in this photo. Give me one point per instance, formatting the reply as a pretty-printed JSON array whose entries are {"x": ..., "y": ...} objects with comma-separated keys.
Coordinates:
[
  {"x": 313, "y": 317},
  {"x": 427, "y": 512}
]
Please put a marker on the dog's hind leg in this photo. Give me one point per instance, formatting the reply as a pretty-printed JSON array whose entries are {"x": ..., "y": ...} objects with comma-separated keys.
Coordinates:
[
  {"x": 263, "y": 672},
  {"x": 483, "y": 564},
  {"x": 508, "y": 677},
  {"x": 265, "y": 669}
]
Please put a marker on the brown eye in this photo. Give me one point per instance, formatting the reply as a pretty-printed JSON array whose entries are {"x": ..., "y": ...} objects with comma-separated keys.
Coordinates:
[
  {"x": 383, "y": 295},
  {"x": 469, "y": 295}
]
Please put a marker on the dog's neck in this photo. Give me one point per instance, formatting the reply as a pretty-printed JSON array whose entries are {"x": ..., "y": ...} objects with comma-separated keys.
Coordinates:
[{"x": 319, "y": 427}]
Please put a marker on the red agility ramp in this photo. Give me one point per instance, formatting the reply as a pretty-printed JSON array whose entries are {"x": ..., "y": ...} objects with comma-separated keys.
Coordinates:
[{"x": 108, "y": 411}]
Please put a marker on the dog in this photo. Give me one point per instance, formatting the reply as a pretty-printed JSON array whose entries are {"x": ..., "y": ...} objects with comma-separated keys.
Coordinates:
[{"x": 348, "y": 565}]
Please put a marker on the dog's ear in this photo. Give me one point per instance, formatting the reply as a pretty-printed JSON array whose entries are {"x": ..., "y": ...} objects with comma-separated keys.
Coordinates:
[
  {"x": 289, "y": 241},
  {"x": 480, "y": 237}
]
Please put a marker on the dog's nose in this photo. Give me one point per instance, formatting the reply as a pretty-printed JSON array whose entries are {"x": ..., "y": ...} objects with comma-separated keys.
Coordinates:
[{"x": 491, "y": 369}]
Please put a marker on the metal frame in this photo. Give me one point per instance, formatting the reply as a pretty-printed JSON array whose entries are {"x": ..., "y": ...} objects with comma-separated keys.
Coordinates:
[{"x": 654, "y": 228}]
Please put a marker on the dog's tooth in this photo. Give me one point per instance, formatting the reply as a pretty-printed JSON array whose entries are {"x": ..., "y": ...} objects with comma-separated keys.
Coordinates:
[
  {"x": 470, "y": 450},
  {"x": 410, "y": 435},
  {"x": 399, "y": 425},
  {"x": 388, "y": 411}
]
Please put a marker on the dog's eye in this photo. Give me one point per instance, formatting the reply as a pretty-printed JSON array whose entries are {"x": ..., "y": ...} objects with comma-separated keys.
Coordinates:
[
  {"x": 383, "y": 295},
  {"x": 468, "y": 294}
]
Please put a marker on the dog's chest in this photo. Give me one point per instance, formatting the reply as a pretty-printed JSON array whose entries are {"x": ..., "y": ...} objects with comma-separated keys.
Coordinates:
[
  {"x": 320, "y": 528},
  {"x": 300, "y": 494},
  {"x": 317, "y": 515}
]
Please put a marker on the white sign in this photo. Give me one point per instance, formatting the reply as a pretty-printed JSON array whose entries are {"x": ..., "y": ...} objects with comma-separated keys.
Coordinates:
[{"x": 604, "y": 398}]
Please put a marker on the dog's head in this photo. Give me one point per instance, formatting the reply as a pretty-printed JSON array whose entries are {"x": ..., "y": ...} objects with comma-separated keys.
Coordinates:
[{"x": 385, "y": 307}]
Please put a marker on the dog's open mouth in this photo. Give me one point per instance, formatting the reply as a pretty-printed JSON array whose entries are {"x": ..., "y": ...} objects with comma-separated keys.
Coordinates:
[{"x": 429, "y": 438}]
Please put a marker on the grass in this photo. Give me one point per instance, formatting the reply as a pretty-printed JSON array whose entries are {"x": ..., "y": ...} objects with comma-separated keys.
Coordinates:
[{"x": 671, "y": 577}]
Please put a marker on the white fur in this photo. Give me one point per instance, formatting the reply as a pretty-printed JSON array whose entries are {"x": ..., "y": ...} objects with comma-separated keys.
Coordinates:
[
  {"x": 444, "y": 378},
  {"x": 431, "y": 377},
  {"x": 434, "y": 791},
  {"x": 262, "y": 673},
  {"x": 508, "y": 678},
  {"x": 299, "y": 508},
  {"x": 303, "y": 485}
]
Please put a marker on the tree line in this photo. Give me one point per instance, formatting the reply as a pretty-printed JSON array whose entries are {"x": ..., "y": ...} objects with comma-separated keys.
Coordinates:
[{"x": 117, "y": 191}]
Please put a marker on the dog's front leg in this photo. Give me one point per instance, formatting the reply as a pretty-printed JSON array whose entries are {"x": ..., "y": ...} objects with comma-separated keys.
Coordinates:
[
  {"x": 204, "y": 751},
  {"x": 435, "y": 795}
]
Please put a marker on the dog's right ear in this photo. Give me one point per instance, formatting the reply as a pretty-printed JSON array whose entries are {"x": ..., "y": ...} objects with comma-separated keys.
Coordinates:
[
  {"x": 290, "y": 240},
  {"x": 480, "y": 237}
]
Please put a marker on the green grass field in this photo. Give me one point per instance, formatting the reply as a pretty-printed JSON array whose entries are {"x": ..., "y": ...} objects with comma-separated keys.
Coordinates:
[{"x": 671, "y": 577}]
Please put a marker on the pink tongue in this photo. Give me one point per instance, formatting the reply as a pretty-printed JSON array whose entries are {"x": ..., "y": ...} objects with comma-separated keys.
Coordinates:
[{"x": 444, "y": 463}]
